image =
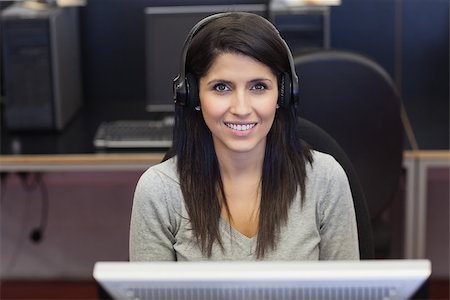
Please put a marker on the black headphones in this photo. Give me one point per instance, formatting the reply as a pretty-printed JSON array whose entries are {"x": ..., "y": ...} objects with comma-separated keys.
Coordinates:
[{"x": 185, "y": 86}]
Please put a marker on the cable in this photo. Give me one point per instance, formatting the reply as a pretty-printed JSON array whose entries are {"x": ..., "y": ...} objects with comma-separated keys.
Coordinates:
[
  {"x": 31, "y": 183},
  {"x": 17, "y": 249},
  {"x": 3, "y": 178},
  {"x": 28, "y": 184},
  {"x": 37, "y": 233}
]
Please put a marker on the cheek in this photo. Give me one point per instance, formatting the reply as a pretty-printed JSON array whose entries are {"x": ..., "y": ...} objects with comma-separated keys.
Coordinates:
[
  {"x": 212, "y": 110},
  {"x": 268, "y": 111},
  {"x": 268, "y": 115}
]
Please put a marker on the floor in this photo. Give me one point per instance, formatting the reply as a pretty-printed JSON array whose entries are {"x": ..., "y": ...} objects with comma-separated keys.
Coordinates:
[{"x": 87, "y": 290}]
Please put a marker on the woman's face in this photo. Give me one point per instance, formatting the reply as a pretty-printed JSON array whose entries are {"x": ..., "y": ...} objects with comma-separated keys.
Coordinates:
[{"x": 238, "y": 97}]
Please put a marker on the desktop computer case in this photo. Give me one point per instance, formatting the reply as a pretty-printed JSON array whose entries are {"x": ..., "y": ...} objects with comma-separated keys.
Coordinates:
[{"x": 41, "y": 67}]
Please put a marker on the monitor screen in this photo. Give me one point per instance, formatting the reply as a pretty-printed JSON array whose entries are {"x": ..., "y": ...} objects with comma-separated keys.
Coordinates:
[
  {"x": 367, "y": 279},
  {"x": 166, "y": 29}
]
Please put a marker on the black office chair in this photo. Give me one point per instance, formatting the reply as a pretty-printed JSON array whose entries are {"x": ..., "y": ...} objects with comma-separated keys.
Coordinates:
[
  {"x": 354, "y": 100},
  {"x": 319, "y": 140}
]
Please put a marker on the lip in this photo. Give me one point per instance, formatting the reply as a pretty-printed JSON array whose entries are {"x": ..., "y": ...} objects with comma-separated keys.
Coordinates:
[{"x": 241, "y": 128}]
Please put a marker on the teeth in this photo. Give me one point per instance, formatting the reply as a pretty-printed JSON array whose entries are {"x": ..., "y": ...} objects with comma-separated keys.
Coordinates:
[{"x": 240, "y": 127}]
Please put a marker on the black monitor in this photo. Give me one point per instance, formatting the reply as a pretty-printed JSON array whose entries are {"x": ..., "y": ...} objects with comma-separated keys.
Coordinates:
[{"x": 166, "y": 28}]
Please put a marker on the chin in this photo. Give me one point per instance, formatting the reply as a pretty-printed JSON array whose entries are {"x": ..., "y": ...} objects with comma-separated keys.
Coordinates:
[{"x": 245, "y": 147}]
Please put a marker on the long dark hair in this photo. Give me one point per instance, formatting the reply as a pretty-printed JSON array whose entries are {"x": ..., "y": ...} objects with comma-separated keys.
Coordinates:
[{"x": 285, "y": 157}]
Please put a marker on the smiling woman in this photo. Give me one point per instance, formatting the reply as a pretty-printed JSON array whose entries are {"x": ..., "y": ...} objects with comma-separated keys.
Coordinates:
[{"x": 242, "y": 185}]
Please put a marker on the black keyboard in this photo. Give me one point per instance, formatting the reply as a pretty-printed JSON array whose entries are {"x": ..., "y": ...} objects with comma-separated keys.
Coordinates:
[{"x": 135, "y": 134}]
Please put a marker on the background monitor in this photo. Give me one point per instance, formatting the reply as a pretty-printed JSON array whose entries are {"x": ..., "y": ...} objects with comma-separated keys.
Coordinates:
[
  {"x": 166, "y": 28},
  {"x": 366, "y": 279}
]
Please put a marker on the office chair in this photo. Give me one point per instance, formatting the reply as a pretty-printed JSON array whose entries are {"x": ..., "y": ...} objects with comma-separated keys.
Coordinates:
[
  {"x": 354, "y": 100},
  {"x": 319, "y": 140}
]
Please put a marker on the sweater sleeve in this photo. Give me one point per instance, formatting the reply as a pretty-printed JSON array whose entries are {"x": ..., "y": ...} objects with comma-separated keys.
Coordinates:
[
  {"x": 338, "y": 229},
  {"x": 152, "y": 225}
]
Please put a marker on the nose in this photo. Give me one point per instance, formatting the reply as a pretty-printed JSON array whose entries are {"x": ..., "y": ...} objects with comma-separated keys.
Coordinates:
[{"x": 240, "y": 103}]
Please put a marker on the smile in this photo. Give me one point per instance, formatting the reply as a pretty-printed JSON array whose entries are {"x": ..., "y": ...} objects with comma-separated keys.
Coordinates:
[{"x": 240, "y": 127}]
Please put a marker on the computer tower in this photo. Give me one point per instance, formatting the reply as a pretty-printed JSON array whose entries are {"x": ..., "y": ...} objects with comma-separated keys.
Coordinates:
[{"x": 41, "y": 67}]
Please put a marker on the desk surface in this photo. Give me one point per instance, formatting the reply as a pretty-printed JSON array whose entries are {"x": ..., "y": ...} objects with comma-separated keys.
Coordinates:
[
  {"x": 72, "y": 148},
  {"x": 427, "y": 154},
  {"x": 128, "y": 161},
  {"x": 77, "y": 137},
  {"x": 79, "y": 162}
]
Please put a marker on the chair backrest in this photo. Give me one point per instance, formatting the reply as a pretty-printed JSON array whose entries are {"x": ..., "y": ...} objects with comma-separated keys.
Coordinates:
[
  {"x": 354, "y": 100},
  {"x": 321, "y": 141}
]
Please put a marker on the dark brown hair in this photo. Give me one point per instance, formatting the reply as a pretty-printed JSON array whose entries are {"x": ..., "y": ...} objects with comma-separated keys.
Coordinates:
[{"x": 285, "y": 157}]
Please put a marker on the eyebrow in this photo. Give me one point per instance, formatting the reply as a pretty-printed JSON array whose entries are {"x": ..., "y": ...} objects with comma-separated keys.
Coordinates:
[{"x": 230, "y": 82}]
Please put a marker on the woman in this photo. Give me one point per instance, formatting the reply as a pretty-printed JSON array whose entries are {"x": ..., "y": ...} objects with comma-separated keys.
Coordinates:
[{"x": 242, "y": 185}]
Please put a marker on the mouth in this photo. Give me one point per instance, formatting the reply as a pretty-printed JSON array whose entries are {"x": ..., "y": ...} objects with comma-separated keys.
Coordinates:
[{"x": 240, "y": 127}]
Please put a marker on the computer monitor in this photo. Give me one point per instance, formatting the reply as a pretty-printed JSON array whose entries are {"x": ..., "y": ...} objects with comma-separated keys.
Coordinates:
[
  {"x": 367, "y": 279},
  {"x": 166, "y": 28}
]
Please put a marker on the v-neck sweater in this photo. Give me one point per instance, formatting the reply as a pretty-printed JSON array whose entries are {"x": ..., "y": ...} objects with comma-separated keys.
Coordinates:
[{"x": 322, "y": 228}]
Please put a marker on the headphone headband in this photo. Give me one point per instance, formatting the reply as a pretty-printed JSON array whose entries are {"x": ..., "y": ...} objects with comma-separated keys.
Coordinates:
[{"x": 182, "y": 86}]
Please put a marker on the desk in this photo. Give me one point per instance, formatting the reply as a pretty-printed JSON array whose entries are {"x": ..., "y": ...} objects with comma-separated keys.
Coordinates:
[{"x": 78, "y": 162}]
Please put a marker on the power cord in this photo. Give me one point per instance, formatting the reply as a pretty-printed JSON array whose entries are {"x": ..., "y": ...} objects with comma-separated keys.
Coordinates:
[{"x": 31, "y": 183}]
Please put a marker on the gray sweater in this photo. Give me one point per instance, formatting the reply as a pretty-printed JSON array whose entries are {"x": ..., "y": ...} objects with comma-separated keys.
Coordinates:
[{"x": 324, "y": 228}]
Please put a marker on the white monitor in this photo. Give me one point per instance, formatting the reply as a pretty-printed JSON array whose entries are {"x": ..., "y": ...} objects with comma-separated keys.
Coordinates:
[
  {"x": 359, "y": 280},
  {"x": 166, "y": 28}
]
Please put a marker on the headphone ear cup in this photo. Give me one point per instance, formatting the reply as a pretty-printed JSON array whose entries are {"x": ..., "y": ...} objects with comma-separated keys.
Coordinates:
[
  {"x": 285, "y": 94},
  {"x": 180, "y": 91},
  {"x": 192, "y": 98}
]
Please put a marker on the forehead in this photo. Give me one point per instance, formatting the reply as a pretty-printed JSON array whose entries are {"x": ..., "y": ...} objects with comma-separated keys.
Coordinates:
[{"x": 237, "y": 64}]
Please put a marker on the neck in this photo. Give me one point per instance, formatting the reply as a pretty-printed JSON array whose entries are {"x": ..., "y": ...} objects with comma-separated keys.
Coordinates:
[
  {"x": 236, "y": 166},
  {"x": 241, "y": 176}
]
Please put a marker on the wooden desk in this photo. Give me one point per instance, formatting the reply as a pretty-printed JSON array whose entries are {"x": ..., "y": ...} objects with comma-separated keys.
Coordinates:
[
  {"x": 138, "y": 161},
  {"x": 78, "y": 162}
]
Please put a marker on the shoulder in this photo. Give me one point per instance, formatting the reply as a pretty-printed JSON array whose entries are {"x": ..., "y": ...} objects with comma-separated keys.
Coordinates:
[
  {"x": 325, "y": 165},
  {"x": 325, "y": 175},
  {"x": 159, "y": 182},
  {"x": 165, "y": 172}
]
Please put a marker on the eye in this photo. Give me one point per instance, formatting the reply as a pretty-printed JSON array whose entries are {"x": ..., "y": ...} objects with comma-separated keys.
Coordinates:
[
  {"x": 260, "y": 86},
  {"x": 221, "y": 87}
]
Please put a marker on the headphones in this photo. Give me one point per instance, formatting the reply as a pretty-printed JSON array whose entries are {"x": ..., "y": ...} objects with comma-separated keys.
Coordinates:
[{"x": 185, "y": 86}]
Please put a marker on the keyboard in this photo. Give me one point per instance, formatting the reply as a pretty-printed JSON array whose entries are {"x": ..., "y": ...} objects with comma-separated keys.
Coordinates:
[{"x": 135, "y": 134}]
